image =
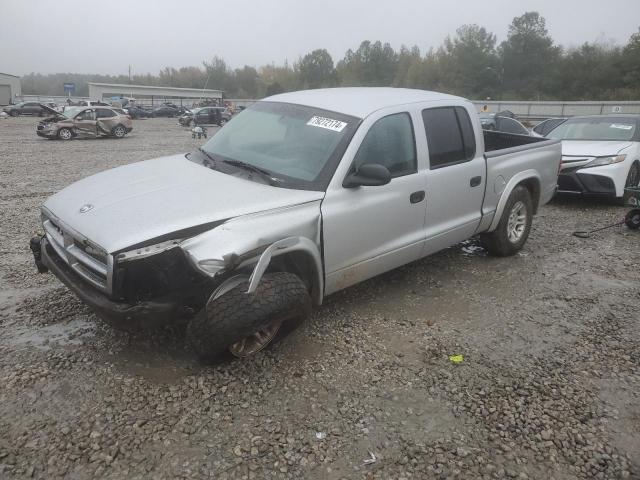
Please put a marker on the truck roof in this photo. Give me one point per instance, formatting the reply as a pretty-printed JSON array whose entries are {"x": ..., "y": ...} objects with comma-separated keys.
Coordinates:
[{"x": 359, "y": 101}]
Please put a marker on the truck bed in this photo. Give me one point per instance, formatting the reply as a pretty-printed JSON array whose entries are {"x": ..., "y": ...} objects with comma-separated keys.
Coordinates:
[
  {"x": 501, "y": 140},
  {"x": 510, "y": 157}
]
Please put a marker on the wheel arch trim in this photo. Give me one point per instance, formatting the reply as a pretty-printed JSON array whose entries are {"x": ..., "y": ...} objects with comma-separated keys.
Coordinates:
[
  {"x": 520, "y": 178},
  {"x": 285, "y": 246}
]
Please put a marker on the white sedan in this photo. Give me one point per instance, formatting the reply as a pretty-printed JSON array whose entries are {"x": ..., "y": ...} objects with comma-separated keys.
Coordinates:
[{"x": 600, "y": 154}]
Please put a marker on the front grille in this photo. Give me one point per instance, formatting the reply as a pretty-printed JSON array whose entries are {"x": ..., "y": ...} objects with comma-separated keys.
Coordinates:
[
  {"x": 567, "y": 183},
  {"x": 88, "y": 261}
]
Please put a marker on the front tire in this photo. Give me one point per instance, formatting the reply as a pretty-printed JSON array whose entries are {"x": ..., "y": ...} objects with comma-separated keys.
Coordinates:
[
  {"x": 65, "y": 134},
  {"x": 515, "y": 224},
  {"x": 245, "y": 323},
  {"x": 14, "y": 113}
]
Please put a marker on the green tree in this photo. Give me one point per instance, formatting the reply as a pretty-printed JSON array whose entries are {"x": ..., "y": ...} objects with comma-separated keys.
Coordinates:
[
  {"x": 407, "y": 58},
  {"x": 316, "y": 69},
  {"x": 469, "y": 63},
  {"x": 274, "y": 89},
  {"x": 247, "y": 82},
  {"x": 588, "y": 72},
  {"x": 529, "y": 57},
  {"x": 373, "y": 64},
  {"x": 219, "y": 76},
  {"x": 630, "y": 65}
]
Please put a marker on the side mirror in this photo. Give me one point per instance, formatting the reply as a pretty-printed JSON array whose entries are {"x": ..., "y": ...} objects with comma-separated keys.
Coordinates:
[{"x": 368, "y": 175}]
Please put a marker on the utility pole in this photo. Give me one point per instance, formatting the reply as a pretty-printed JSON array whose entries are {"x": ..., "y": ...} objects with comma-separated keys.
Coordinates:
[{"x": 129, "y": 74}]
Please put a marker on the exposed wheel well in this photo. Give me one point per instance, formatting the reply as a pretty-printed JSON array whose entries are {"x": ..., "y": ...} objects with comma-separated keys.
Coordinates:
[
  {"x": 302, "y": 265},
  {"x": 533, "y": 185}
]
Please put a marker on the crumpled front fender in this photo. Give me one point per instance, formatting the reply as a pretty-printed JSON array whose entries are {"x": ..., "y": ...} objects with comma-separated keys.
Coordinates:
[{"x": 243, "y": 243}]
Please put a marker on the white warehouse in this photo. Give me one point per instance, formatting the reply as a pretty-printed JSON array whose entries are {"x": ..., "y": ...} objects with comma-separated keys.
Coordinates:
[{"x": 10, "y": 88}]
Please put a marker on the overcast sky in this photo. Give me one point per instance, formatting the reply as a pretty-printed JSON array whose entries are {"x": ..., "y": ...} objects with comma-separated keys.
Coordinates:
[{"x": 87, "y": 36}]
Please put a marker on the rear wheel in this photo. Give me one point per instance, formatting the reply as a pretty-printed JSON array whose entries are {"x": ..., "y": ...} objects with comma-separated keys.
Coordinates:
[
  {"x": 632, "y": 219},
  {"x": 65, "y": 134},
  {"x": 245, "y": 323},
  {"x": 119, "y": 131},
  {"x": 513, "y": 229}
]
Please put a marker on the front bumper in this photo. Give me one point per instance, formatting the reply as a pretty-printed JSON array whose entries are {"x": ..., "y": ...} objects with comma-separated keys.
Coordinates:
[
  {"x": 47, "y": 133},
  {"x": 571, "y": 180},
  {"x": 119, "y": 314}
]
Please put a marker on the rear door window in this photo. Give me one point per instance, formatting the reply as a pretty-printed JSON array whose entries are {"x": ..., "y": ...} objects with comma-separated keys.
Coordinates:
[
  {"x": 105, "y": 113},
  {"x": 450, "y": 136}
]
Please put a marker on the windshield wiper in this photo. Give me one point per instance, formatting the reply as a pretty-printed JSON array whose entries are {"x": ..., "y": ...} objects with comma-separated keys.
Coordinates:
[
  {"x": 247, "y": 166},
  {"x": 209, "y": 156}
]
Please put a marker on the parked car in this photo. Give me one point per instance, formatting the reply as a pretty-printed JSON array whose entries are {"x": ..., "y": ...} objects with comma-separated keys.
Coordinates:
[
  {"x": 205, "y": 116},
  {"x": 138, "y": 112},
  {"x": 303, "y": 195},
  {"x": 546, "y": 126},
  {"x": 166, "y": 111},
  {"x": 90, "y": 103},
  {"x": 600, "y": 154},
  {"x": 500, "y": 122},
  {"x": 84, "y": 122},
  {"x": 24, "y": 108}
]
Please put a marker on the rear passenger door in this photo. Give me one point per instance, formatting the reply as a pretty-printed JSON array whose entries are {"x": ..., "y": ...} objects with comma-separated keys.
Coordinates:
[
  {"x": 85, "y": 123},
  {"x": 106, "y": 120},
  {"x": 456, "y": 177}
]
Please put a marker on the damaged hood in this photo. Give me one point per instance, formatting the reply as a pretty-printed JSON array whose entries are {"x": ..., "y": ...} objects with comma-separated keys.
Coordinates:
[
  {"x": 591, "y": 148},
  {"x": 51, "y": 111},
  {"x": 143, "y": 201}
]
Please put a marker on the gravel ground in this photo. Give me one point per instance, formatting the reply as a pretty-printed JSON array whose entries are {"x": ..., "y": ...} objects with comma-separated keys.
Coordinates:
[{"x": 548, "y": 387}]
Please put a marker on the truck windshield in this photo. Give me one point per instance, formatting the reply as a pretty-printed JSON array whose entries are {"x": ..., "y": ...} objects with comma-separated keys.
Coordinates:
[
  {"x": 599, "y": 129},
  {"x": 300, "y": 145}
]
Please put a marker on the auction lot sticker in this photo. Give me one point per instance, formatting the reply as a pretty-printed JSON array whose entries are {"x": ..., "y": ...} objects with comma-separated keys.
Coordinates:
[{"x": 328, "y": 123}]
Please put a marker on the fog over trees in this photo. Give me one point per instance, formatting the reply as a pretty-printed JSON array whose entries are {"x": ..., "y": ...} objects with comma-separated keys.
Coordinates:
[{"x": 527, "y": 65}]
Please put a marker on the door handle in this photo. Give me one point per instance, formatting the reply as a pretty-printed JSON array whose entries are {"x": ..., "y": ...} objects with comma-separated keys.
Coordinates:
[
  {"x": 416, "y": 197},
  {"x": 475, "y": 181}
]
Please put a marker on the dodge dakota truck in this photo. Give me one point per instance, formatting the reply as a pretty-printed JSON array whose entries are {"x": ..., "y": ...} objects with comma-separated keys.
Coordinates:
[{"x": 299, "y": 196}]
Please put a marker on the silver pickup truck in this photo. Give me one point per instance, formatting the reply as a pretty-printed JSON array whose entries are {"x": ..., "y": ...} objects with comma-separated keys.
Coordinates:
[{"x": 299, "y": 196}]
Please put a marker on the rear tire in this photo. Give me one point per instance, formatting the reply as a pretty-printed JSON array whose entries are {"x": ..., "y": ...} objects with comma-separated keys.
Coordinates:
[
  {"x": 632, "y": 219},
  {"x": 515, "y": 224},
  {"x": 119, "y": 131},
  {"x": 280, "y": 303}
]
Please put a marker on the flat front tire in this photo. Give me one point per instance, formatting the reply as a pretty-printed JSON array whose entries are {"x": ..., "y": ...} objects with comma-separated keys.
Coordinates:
[
  {"x": 244, "y": 324},
  {"x": 515, "y": 224}
]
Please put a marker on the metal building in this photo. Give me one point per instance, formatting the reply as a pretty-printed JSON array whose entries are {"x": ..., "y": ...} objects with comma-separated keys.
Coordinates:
[
  {"x": 151, "y": 95},
  {"x": 9, "y": 88}
]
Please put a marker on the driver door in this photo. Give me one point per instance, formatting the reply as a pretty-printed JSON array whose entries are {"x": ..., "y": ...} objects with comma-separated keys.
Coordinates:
[
  {"x": 85, "y": 124},
  {"x": 369, "y": 230}
]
